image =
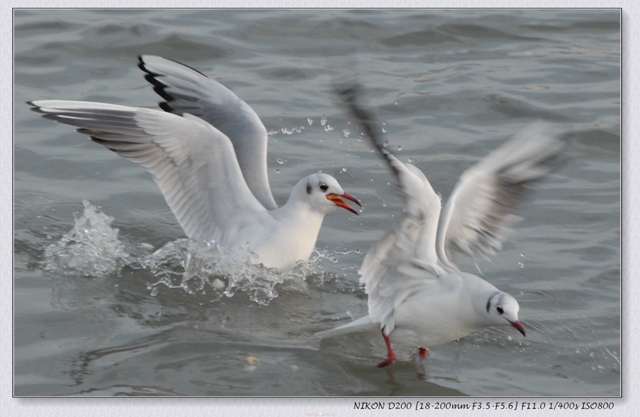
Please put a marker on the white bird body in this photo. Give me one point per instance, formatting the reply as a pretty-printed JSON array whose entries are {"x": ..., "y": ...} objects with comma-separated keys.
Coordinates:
[
  {"x": 207, "y": 153},
  {"x": 455, "y": 310},
  {"x": 416, "y": 295}
]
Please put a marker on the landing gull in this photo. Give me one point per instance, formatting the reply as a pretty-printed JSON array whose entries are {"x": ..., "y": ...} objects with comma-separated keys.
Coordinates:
[
  {"x": 207, "y": 152},
  {"x": 416, "y": 294}
]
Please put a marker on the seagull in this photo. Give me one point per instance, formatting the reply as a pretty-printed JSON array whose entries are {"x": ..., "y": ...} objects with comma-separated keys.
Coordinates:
[
  {"x": 207, "y": 152},
  {"x": 416, "y": 294}
]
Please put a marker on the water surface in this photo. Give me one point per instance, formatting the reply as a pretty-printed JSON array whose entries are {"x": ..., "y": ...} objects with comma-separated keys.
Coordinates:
[{"x": 449, "y": 86}]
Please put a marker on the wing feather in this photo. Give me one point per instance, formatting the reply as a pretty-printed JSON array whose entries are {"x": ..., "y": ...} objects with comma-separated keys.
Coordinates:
[
  {"x": 480, "y": 212},
  {"x": 405, "y": 259},
  {"x": 187, "y": 90},
  {"x": 192, "y": 162}
]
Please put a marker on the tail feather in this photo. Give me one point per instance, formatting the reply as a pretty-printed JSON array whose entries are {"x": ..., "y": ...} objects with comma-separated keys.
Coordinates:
[{"x": 363, "y": 323}]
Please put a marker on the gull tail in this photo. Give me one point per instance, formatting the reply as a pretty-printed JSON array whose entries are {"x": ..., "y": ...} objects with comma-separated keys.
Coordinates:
[{"x": 363, "y": 323}]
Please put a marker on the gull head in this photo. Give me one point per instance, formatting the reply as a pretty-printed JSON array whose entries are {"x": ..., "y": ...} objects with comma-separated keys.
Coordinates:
[
  {"x": 324, "y": 193},
  {"x": 503, "y": 309}
]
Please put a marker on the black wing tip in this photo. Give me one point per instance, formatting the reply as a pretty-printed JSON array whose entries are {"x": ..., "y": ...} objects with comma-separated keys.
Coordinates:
[
  {"x": 351, "y": 92},
  {"x": 165, "y": 106},
  {"x": 158, "y": 87},
  {"x": 34, "y": 107},
  {"x": 143, "y": 66}
]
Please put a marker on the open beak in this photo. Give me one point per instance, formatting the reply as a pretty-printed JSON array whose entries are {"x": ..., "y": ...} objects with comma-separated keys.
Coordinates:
[
  {"x": 335, "y": 199},
  {"x": 518, "y": 326}
]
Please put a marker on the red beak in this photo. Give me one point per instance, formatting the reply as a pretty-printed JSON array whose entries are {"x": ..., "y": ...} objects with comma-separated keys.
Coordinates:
[
  {"x": 335, "y": 198},
  {"x": 518, "y": 326}
]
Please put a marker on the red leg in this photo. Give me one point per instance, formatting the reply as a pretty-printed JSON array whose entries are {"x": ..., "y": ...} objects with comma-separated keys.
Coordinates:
[
  {"x": 423, "y": 352},
  {"x": 391, "y": 355}
]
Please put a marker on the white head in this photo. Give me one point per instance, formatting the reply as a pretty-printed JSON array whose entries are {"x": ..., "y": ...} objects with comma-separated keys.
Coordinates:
[
  {"x": 502, "y": 308},
  {"x": 323, "y": 193}
]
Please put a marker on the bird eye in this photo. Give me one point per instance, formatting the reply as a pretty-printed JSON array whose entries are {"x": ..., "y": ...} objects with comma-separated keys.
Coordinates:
[
  {"x": 500, "y": 310},
  {"x": 323, "y": 186}
]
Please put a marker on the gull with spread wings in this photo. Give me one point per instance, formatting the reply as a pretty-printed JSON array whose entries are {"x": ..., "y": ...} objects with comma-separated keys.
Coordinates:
[
  {"x": 416, "y": 294},
  {"x": 207, "y": 151}
]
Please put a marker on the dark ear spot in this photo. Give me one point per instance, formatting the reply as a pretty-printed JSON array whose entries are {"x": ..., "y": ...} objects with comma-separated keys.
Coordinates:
[
  {"x": 308, "y": 188},
  {"x": 490, "y": 298}
]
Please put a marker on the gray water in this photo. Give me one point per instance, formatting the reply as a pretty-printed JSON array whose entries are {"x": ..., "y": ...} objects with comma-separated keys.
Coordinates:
[{"x": 106, "y": 317}]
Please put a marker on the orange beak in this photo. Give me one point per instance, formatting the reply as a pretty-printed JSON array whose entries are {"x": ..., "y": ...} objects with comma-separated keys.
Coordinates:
[
  {"x": 335, "y": 199},
  {"x": 518, "y": 326}
]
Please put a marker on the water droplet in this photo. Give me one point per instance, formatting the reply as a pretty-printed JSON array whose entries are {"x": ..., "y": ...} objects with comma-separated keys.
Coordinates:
[
  {"x": 346, "y": 133},
  {"x": 310, "y": 121},
  {"x": 384, "y": 130},
  {"x": 522, "y": 255},
  {"x": 323, "y": 121},
  {"x": 277, "y": 171},
  {"x": 520, "y": 264},
  {"x": 385, "y": 143},
  {"x": 399, "y": 147},
  {"x": 410, "y": 160},
  {"x": 328, "y": 128},
  {"x": 280, "y": 161}
]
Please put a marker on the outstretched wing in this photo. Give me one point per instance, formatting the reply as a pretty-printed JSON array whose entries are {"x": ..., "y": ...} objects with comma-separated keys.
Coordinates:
[
  {"x": 191, "y": 161},
  {"x": 405, "y": 258},
  {"x": 481, "y": 209},
  {"x": 189, "y": 91}
]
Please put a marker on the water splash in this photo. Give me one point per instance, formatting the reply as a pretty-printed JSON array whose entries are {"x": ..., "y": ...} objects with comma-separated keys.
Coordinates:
[
  {"x": 200, "y": 267},
  {"x": 91, "y": 248}
]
